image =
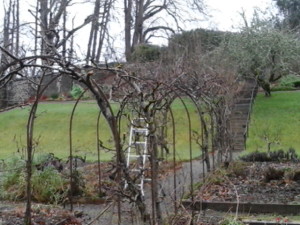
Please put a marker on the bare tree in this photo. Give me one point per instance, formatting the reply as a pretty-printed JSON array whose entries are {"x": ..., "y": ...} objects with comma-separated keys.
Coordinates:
[
  {"x": 99, "y": 30},
  {"x": 144, "y": 18},
  {"x": 11, "y": 39},
  {"x": 52, "y": 19}
]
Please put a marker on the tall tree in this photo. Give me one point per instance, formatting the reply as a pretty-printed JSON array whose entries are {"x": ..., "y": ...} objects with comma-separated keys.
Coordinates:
[
  {"x": 263, "y": 52},
  {"x": 52, "y": 17},
  {"x": 98, "y": 31},
  {"x": 11, "y": 39},
  {"x": 143, "y": 19},
  {"x": 290, "y": 9}
]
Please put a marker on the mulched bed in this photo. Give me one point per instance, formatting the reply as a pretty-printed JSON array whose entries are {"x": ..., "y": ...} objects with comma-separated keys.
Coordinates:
[
  {"x": 13, "y": 214},
  {"x": 91, "y": 178},
  {"x": 259, "y": 182},
  {"x": 41, "y": 214}
]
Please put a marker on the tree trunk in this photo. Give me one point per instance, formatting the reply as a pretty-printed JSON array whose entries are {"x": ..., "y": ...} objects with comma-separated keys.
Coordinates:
[
  {"x": 128, "y": 25},
  {"x": 138, "y": 26},
  {"x": 266, "y": 87},
  {"x": 205, "y": 143}
]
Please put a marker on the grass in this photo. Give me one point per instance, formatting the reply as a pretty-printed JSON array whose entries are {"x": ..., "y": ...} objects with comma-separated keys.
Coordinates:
[
  {"x": 278, "y": 116},
  {"x": 51, "y": 132}
]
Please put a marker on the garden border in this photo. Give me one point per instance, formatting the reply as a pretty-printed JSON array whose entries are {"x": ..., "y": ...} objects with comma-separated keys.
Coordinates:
[{"x": 282, "y": 209}]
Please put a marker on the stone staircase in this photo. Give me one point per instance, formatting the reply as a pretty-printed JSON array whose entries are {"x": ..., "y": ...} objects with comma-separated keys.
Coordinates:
[{"x": 240, "y": 115}]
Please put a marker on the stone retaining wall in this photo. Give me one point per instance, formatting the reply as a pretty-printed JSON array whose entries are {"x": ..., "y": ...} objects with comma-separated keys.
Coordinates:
[{"x": 21, "y": 91}]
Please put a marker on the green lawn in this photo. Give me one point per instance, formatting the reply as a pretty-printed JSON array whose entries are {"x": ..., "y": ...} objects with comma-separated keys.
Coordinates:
[
  {"x": 52, "y": 125},
  {"x": 277, "y": 116}
]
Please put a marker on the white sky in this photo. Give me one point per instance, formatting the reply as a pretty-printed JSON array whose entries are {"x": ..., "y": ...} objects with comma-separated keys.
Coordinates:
[{"x": 225, "y": 13}]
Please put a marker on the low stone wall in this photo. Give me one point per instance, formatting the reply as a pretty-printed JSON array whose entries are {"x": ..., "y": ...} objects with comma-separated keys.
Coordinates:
[
  {"x": 21, "y": 91},
  {"x": 243, "y": 207}
]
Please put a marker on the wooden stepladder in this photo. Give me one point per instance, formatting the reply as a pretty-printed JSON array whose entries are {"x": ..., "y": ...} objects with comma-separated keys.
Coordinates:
[{"x": 137, "y": 153}]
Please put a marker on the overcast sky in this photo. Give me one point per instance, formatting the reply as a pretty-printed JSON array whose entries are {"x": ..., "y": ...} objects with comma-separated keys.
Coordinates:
[{"x": 225, "y": 13}]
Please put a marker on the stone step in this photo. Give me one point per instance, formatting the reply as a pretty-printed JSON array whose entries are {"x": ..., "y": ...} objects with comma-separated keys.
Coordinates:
[
  {"x": 241, "y": 107},
  {"x": 238, "y": 135},
  {"x": 238, "y": 142},
  {"x": 243, "y": 101},
  {"x": 246, "y": 92},
  {"x": 239, "y": 116},
  {"x": 238, "y": 127},
  {"x": 241, "y": 111},
  {"x": 235, "y": 148},
  {"x": 238, "y": 122},
  {"x": 242, "y": 104},
  {"x": 238, "y": 145},
  {"x": 241, "y": 142},
  {"x": 238, "y": 131},
  {"x": 237, "y": 111}
]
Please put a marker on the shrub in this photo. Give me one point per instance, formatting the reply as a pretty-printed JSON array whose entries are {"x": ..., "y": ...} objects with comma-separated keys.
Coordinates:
[
  {"x": 13, "y": 179},
  {"x": 55, "y": 96},
  {"x": 272, "y": 156},
  {"x": 48, "y": 185},
  {"x": 272, "y": 173},
  {"x": 217, "y": 177},
  {"x": 76, "y": 91},
  {"x": 146, "y": 53},
  {"x": 237, "y": 169},
  {"x": 289, "y": 82},
  {"x": 297, "y": 84}
]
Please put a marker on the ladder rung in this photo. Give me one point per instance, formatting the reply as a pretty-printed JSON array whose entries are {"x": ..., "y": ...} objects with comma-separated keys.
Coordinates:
[
  {"x": 147, "y": 180},
  {"x": 140, "y": 142},
  {"x": 139, "y": 156},
  {"x": 136, "y": 156},
  {"x": 140, "y": 130}
]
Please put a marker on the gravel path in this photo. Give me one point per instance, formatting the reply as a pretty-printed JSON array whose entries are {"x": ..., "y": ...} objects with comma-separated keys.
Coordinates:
[{"x": 167, "y": 195}]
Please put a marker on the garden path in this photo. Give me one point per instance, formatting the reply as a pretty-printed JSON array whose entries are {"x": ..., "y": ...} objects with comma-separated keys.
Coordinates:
[{"x": 167, "y": 194}]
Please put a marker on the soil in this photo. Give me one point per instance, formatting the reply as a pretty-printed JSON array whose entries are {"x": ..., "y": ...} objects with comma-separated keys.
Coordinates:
[
  {"x": 86, "y": 207},
  {"x": 253, "y": 182},
  {"x": 250, "y": 182},
  {"x": 12, "y": 214}
]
